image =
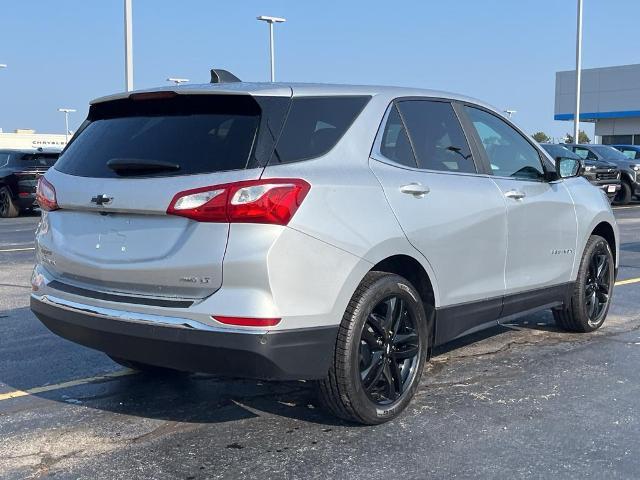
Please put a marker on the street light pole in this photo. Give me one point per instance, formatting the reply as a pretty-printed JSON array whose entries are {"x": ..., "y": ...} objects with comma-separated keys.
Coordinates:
[
  {"x": 271, "y": 21},
  {"x": 66, "y": 112},
  {"x": 128, "y": 47},
  {"x": 576, "y": 119},
  {"x": 3, "y": 65},
  {"x": 510, "y": 112}
]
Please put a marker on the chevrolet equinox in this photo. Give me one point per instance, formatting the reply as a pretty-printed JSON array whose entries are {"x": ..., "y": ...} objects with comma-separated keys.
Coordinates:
[{"x": 303, "y": 231}]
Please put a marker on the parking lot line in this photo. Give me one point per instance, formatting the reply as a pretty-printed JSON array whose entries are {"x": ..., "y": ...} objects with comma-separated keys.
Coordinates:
[
  {"x": 17, "y": 249},
  {"x": 627, "y": 281},
  {"x": 71, "y": 383}
]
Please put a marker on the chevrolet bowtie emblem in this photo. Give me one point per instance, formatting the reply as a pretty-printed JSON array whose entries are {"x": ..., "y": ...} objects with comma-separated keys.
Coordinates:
[{"x": 101, "y": 199}]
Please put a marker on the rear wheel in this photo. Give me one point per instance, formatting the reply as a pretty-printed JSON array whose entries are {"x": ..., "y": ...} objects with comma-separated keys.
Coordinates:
[
  {"x": 623, "y": 197},
  {"x": 146, "y": 368},
  {"x": 591, "y": 297},
  {"x": 8, "y": 208},
  {"x": 380, "y": 351}
]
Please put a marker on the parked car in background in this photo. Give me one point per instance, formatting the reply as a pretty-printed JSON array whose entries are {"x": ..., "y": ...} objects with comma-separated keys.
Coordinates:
[
  {"x": 629, "y": 169},
  {"x": 304, "y": 231},
  {"x": 19, "y": 174},
  {"x": 632, "y": 152},
  {"x": 604, "y": 175}
]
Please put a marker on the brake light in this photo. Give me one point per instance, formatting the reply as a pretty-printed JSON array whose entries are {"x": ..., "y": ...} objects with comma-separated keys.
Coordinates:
[
  {"x": 247, "y": 321},
  {"x": 271, "y": 201},
  {"x": 46, "y": 195}
]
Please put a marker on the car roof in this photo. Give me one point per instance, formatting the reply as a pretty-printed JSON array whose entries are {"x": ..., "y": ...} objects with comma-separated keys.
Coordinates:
[{"x": 298, "y": 90}]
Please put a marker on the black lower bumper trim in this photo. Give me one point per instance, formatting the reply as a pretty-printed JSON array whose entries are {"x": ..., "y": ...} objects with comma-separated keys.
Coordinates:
[{"x": 286, "y": 355}]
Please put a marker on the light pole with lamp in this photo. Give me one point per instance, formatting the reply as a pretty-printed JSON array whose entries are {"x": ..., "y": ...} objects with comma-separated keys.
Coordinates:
[
  {"x": 66, "y": 112},
  {"x": 271, "y": 21}
]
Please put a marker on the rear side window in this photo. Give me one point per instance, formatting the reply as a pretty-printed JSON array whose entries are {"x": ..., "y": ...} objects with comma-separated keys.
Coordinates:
[
  {"x": 198, "y": 134},
  {"x": 314, "y": 125},
  {"x": 436, "y": 135},
  {"x": 395, "y": 143}
]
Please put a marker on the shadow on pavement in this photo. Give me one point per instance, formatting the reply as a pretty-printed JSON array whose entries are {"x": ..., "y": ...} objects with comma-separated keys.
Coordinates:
[{"x": 36, "y": 357}]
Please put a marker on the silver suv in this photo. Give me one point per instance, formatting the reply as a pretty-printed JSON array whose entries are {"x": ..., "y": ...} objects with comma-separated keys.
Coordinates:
[{"x": 319, "y": 232}]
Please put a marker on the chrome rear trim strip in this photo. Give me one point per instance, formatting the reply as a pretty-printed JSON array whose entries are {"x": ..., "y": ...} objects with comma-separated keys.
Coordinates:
[{"x": 134, "y": 317}]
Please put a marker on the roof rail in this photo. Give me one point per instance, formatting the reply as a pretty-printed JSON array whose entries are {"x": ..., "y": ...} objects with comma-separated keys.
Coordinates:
[{"x": 223, "y": 76}]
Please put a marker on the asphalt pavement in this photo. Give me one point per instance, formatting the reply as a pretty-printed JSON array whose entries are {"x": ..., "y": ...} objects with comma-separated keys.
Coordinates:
[{"x": 523, "y": 400}]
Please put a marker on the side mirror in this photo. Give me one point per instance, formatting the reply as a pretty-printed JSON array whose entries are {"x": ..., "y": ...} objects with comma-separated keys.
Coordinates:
[{"x": 569, "y": 167}]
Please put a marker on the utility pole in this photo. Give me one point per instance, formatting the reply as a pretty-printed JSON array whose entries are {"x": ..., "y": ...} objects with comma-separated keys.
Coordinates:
[
  {"x": 576, "y": 120},
  {"x": 128, "y": 47}
]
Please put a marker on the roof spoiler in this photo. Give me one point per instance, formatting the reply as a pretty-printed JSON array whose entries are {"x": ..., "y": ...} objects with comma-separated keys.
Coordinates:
[{"x": 223, "y": 76}]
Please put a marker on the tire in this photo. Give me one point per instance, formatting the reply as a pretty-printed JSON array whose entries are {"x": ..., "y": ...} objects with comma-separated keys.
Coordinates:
[
  {"x": 590, "y": 301},
  {"x": 363, "y": 351},
  {"x": 8, "y": 208},
  {"x": 623, "y": 197},
  {"x": 146, "y": 368}
]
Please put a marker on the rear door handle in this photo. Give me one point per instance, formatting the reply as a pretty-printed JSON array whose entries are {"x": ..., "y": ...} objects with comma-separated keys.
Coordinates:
[
  {"x": 515, "y": 194},
  {"x": 415, "y": 189}
]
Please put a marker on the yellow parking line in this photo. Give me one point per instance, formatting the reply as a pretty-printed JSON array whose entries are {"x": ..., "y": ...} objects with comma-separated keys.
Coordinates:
[
  {"x": 71, "y": 383},
  {"x": 17, "y": 249},
  {"x": 627, "y": 282}
]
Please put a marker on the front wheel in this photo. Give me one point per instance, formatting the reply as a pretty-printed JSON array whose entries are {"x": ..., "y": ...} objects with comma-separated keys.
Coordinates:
[
  {"x": 591, "y": 297},
  {"x": 380, "y": 351},
  {"x": 623, "y": 197}
]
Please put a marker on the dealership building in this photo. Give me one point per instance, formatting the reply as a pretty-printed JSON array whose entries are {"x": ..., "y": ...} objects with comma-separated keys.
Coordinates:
[
  {"x": 610, "y": 98},
  {"x": 28, "y": 139}
]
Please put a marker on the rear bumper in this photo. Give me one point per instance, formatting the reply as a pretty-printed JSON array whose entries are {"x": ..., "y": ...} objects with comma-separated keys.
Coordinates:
[{"x": 270, "y": 355}]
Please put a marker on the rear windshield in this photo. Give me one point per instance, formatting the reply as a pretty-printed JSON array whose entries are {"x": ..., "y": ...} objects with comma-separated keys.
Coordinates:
[
  {"x": 38, "y": 159},
  {"x": 314, "y": 125},
  {"x": 194, "y": 134}
]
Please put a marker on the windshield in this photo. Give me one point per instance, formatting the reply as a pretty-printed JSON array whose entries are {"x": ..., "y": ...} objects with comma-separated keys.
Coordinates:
[{"x": 609, "y": 152}]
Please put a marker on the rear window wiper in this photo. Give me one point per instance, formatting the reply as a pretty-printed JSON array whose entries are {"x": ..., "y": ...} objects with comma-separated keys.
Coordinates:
[{"x": 140, "y": 165}]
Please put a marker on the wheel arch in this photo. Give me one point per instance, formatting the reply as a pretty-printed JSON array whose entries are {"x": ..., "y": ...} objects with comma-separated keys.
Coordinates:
[
  {"x": 411, "y": 269},
  {"x": 606, "y": 231}
]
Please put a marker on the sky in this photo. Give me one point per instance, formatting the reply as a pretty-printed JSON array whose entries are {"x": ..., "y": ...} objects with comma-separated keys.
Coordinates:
[{"x": 63, "y": 53}]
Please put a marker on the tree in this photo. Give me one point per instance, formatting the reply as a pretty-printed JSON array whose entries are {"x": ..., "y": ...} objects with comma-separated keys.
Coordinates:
[
  {"x": 541, "y": 137},
  {"x": 582, "y": 137}
]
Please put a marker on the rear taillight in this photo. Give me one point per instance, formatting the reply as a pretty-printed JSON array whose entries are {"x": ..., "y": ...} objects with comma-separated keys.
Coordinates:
[
  {"x": 272, "y": 201},
  {"x": 46, "y": 195},
  {"x": 247, "y": 321}
]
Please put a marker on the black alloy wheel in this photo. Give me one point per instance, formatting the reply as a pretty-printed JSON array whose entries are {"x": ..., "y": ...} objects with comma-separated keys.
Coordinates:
[
  {"x": 389, "y": 351},
  {"x": 590, "y": 299},
  {"x": 382, "y": 345},
  {"x": 598, "y": 286}
]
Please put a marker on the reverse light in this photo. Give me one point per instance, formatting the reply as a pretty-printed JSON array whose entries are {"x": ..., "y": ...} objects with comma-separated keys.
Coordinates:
[
  {"x": 46, "y": 195},
  {"x": 270, "y": 201},
  {"x": 247, "y": 321}
]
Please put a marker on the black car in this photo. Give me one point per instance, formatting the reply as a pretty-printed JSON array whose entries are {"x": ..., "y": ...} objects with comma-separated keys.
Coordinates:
[
  {"x": 629, "y": 169},
  {"x": 19, "y": 174},
  {"x": 604, "y": 175}
]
